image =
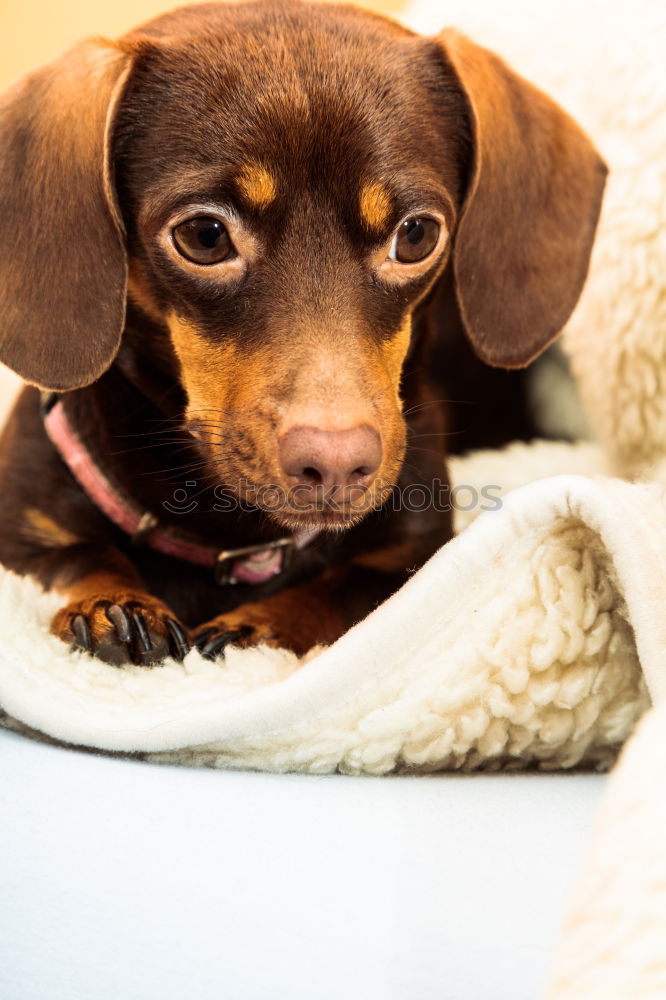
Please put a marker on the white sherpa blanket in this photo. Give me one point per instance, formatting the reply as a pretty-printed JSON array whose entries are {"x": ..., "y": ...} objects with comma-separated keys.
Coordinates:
[
  {"x": 531, "y": 638},
  {"x": 613, "y": 946}
]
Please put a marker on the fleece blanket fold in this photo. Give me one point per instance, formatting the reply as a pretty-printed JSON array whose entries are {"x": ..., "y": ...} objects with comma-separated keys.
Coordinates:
[{"x": 535, "y": 637}]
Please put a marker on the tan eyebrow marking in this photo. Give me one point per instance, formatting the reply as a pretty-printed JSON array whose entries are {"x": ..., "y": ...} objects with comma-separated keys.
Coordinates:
[
  {"x": 257, "y": 184},
  {"x": 375, "y": 204}
]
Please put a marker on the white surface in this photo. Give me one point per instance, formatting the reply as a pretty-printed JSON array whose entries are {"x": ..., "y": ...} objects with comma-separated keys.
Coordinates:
[{"x": 120, "y": 879}]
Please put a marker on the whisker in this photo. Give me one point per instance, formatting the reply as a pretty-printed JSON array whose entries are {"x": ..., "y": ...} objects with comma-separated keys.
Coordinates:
[
  {"x": 430, "y": 451},
  {"x": 433, "y": 402},
  {"x": 157, "y": 444},
  {"x": 188, "y": 467},
  {"x": 427, "y": 434},
  {"x": 413, "y": 371}
]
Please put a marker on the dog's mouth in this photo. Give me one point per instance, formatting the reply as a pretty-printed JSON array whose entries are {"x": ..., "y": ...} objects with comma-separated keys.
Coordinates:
[{"x": 299, "y": 509}]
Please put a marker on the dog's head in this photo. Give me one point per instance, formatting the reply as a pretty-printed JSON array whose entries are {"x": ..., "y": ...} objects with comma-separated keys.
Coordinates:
[{"x": 279, "y": 185}]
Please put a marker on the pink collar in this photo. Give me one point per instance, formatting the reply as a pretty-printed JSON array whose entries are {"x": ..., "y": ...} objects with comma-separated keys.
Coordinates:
[{"x": 251, "y": 564}]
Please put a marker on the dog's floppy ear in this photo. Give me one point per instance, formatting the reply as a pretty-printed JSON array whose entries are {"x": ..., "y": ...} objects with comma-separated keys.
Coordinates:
[
  {"x": 62, "y": 256},
  {"x": 527, "y": 225}
]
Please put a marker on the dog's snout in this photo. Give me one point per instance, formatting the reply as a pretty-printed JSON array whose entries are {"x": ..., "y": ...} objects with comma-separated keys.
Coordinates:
[{"x": 313, "y": 457}]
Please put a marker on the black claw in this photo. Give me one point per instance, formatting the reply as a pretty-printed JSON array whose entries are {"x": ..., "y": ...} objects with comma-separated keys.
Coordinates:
[
  {"x": 201, "y": 639},
  {"x": 214, "y": 646},
  {"x": 81, "y": 630},
  {"x": 143, "y": 636},
  {"x": 122, "y": 622},
  {"x": 219, "y": 642},
  {"x": 178, "y": 640}
]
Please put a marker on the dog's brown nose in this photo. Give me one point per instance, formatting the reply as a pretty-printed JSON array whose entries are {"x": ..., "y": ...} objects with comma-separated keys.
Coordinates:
[{"x": 330, "y": 459}]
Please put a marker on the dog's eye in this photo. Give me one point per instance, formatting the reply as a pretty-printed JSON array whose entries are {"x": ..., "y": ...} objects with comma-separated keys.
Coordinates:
[
  {"x": 203, "y": 240},
  {"x": 414, "y": 240}
]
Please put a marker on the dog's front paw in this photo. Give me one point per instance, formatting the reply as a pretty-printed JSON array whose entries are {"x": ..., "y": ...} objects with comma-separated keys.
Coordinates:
[
  {"x": 121, "y": 629},
  {"x": 240, "y": 628},
  {"x": 289, "y": 619}
]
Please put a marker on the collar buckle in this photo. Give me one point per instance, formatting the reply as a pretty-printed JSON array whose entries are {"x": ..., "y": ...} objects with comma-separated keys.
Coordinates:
[{"x": 147, "y": 523}]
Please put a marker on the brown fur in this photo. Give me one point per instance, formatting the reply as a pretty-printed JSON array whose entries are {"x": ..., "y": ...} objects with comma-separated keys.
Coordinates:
[{"x": 313, "y": 131}]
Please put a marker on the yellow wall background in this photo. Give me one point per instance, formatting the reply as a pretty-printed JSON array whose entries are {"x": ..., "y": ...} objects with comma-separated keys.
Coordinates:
[{"x": 34, "y": 31}]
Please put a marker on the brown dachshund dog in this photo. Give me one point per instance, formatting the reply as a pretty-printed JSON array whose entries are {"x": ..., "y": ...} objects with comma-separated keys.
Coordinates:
[{"x": 229, "y": 242}]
